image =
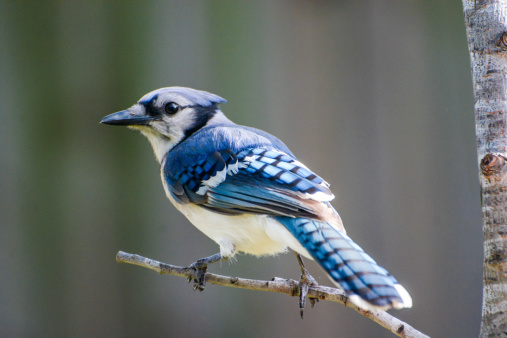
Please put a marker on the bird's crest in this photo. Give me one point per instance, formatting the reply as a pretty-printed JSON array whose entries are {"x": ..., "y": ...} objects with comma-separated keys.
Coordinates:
[{"x": 193, "y": 96}]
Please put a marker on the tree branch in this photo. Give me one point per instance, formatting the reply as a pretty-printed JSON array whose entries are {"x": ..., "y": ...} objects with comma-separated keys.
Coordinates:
[{"x": 287, "y": 286}]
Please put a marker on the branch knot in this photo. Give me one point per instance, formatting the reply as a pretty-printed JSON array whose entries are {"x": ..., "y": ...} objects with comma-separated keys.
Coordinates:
[
  {"x": 493, "y": 164},
  {"x": 502, "y": 41}
]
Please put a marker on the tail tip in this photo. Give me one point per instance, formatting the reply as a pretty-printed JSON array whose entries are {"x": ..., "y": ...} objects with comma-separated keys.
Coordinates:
[
  {"x": 405, "y": 297},
  {"x": 406, "y": 301}
]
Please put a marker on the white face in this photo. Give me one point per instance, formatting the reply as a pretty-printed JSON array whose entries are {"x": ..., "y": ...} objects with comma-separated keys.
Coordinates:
[
  {"x": 169, "y": 125},
  {"x": 175, "y": 115}
]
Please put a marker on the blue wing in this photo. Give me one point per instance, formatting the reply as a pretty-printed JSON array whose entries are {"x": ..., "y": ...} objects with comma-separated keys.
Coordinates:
[
  {"x": 252, "y": 181},
  {"x": 250, "y": 177}
]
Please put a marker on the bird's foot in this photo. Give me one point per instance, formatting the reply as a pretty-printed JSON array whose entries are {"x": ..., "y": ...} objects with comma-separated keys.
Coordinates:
[
  {"x": 201, "y": 267},
  {"x": 305, "y": 282}
]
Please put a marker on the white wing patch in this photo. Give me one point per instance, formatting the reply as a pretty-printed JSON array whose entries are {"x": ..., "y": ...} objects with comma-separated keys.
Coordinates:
[
  {"x": 213, "y": 181},
  {"x": 220, "y": 176},
  {"x": 233, "y": 168}
]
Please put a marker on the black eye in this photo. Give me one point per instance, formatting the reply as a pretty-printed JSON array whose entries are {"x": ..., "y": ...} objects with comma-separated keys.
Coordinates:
[{"x": 171, "y": 108}]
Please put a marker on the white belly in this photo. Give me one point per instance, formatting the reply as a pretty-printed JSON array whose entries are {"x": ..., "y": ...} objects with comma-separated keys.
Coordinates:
[{"x": 254, "y": 234}]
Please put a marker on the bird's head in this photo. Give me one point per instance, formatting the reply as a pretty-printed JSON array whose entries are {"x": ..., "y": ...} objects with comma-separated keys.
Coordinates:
[{"x": 167, "y": 116}]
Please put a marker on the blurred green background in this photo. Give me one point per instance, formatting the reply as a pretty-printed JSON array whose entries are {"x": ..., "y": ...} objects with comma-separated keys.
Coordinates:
[{"x": 375, "y": 96}]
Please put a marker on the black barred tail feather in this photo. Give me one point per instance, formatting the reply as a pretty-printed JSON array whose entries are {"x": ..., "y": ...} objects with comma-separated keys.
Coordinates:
[{"x": 367, "y": 284}]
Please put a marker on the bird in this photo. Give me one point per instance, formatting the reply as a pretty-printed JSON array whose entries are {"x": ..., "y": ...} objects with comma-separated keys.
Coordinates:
[{"x": 245, "y": 190}]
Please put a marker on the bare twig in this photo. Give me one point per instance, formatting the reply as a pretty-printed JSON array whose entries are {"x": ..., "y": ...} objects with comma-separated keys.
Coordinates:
[{"x": 287, "y": 286}]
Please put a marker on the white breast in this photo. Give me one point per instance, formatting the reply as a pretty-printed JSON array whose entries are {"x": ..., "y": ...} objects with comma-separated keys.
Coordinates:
[{"x": 254, "y": 234}]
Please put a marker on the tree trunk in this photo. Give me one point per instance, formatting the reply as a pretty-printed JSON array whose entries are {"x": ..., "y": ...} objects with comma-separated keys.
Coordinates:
[{"x": 487, "y": 40}]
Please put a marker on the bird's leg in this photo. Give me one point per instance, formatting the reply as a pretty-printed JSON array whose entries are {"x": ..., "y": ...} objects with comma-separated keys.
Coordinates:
[
  {"x": 201, "y": 266},
  {"x": 305, "y": 282}
]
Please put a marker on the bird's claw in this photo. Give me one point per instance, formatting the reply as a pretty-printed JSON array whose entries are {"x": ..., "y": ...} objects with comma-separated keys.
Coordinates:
[
  {"x": 305, "y": 282},
  {"x": 201, "y": 267},
  {"x": 313, "y": 301},
  {"x": 200, "y": 274}
]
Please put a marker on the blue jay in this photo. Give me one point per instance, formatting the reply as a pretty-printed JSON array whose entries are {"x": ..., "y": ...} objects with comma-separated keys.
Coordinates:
[{"x": 244, "y": 189}]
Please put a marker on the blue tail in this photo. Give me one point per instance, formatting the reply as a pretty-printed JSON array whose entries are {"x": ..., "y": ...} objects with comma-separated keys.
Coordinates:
[{"x": 366, "y": 283}]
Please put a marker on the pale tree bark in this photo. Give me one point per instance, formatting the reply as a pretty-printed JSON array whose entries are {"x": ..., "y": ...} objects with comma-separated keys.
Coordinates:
[
  {"x": 279, "y": 285},
  {"x": 486, "y": 26}
]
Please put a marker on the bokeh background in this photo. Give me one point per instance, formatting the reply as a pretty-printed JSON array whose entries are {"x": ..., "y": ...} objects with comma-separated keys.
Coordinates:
[{"x": 375, "y": 96}]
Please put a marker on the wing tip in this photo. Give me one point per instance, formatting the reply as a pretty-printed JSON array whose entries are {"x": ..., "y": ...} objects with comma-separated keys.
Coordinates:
[{"x": 320, "y": 196}]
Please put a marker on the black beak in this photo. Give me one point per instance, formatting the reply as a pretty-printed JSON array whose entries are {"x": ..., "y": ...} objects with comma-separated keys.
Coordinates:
[{"x": 126, "y": 118}]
